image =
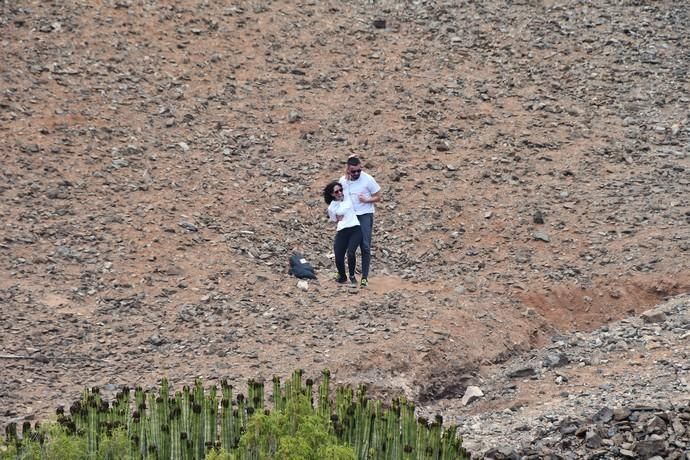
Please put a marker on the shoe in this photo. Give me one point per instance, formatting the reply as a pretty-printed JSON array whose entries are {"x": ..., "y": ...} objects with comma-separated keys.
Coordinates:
[
  {"x": 353, "y": 280},
  {"x": 342, "y": 280},
  {"x": 364, "y": 282}
]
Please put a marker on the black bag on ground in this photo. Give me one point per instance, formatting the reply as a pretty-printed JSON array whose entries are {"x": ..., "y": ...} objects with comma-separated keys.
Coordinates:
[{"x": 300, "y": 268}]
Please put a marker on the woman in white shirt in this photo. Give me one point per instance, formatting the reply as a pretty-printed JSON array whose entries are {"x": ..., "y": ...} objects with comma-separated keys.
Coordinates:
[{"x": 348, "y": 233}]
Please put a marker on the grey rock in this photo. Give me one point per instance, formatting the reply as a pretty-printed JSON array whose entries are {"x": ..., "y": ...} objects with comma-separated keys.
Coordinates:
[
  {"x": 472, "y": 393},
  {"x": 552, "y": 360},
  {"x": 656, "y": 425},
  {"x": 119, "y": 163},
  {"x": 294, "y": 116},
  {"x": 678, "y": 427},
  {"x": 541, "y": 236},
  {"x": 593, "y": 440},
  {"x": 538, "y": 217},
  {"x": 650, "y": 448},
  {"x": 653, "y": 316},
  {"x": 604, "y": 415},
  {"x": 522, "y": 372},
  {"x": 156, "y": 340},
  {"x": 303, "y": 285},
  {"x": 621, "y": 413},
  {"x": 568, "y": 426},
  {"x": 189, "y": 226},
  {"x": 442, "y": 146},
  {"x": 502, "y": 453}
]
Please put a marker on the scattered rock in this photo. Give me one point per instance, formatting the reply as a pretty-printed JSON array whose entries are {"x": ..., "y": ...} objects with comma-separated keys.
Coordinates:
[
  {"x": 379, "y": 23},
  {"x": 541, "y": 236},
  {"x": 294, "y": 116},
  {"x": 189, "y": 226},
  {"x": 592, "y": 440},
  {"x": 156, "y": 340},
  {"x": 538, "y": 217},
  {"x": 522, "y": 373},
  {"x": 605, "y": 415},
  {"x": 555, "y": 360},
  {"x": 472, "y": 393},
  {"x": 236, "y": 116},
  {"x": 303, "y": 285},
  {"x": 653, "y": 316}
]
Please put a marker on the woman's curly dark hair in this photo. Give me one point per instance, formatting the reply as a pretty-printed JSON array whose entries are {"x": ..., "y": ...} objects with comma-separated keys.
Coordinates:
[{"x": 328, "y": 191}]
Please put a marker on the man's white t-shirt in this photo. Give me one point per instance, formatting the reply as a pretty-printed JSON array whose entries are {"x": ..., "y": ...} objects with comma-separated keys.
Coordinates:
[{"x": 352, "y": 188}]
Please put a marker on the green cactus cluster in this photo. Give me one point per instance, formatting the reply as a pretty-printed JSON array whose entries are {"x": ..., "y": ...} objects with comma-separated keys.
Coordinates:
[{"x": 196, "y": 423}]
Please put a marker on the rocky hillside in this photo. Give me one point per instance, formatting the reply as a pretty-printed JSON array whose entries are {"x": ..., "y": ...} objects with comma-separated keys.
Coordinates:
[
  {"x": 162, "y": 160},
  {"x": 620, "y": 391}
]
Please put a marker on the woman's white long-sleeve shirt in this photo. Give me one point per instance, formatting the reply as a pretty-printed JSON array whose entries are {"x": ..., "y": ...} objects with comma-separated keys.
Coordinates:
[{"x": 342, "y": 208}]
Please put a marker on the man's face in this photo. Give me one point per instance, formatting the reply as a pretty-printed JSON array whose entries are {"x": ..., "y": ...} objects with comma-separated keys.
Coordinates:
[{"x": 354, "y": 171}]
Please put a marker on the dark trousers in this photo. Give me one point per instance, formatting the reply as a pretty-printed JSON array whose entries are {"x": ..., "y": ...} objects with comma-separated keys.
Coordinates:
[
  {"x": 346, "y": 240},
  {"x": 366, "y": 221}
]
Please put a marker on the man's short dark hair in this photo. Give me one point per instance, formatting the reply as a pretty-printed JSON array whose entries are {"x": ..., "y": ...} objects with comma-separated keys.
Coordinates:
[{"x": 353, "y": 161}]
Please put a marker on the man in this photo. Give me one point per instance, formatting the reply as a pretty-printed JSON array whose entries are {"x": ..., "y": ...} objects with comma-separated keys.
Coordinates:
[{"x": 363, "y": 191}]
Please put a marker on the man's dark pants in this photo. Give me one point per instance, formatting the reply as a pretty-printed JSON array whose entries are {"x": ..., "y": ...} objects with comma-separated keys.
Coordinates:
[{"x": 366, "y": 222}]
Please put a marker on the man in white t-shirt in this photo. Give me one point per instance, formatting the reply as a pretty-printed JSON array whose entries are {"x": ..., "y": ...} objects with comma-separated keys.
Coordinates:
[{"x": 363, "y": 192}]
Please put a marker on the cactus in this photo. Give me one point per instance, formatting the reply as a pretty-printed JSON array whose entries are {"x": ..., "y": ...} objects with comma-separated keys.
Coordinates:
[{"x": 196, "y": 422}]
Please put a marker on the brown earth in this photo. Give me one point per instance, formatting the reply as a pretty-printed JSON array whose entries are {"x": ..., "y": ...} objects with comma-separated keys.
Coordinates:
[{"x": 161, "y": 162}]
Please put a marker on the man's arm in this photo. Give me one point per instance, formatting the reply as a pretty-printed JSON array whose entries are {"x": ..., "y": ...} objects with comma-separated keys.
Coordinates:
[{"x": 374, "y": 198}]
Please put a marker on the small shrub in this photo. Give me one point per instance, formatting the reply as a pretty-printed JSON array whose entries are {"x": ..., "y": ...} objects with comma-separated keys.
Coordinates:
[
  {"x": 57, "y": 445},
  {"x": 115, "y": 447},
  {"x": 297, "y": 433}
]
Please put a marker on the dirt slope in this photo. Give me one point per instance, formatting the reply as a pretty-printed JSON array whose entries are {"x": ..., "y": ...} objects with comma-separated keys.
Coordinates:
[{"x": 161, "y": 162}]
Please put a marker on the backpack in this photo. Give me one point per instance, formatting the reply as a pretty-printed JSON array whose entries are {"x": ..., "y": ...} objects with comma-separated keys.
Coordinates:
[{"x": 300, "y": 268}]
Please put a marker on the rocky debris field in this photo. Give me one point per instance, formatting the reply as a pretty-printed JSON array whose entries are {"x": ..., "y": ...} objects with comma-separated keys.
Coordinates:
[
  {"x": 620, "y": 391},
  {"x": 161, "y": 162}
]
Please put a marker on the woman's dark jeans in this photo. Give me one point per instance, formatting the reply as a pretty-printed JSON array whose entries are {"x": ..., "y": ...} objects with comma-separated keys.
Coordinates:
[{"x": 346, "y": 241}]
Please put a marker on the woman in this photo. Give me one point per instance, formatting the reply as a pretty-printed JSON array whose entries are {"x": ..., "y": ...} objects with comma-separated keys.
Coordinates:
[{"x": 348, "y": 234}]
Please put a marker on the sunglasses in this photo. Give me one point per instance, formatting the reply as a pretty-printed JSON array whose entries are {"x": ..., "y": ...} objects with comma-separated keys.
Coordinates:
[
  {"x": 337, "y": 190},
  {"x": 355, "y": 171}
]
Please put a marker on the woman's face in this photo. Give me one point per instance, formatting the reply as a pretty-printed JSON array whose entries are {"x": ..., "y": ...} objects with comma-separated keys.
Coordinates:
[{"x": 337, "y": 192}]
